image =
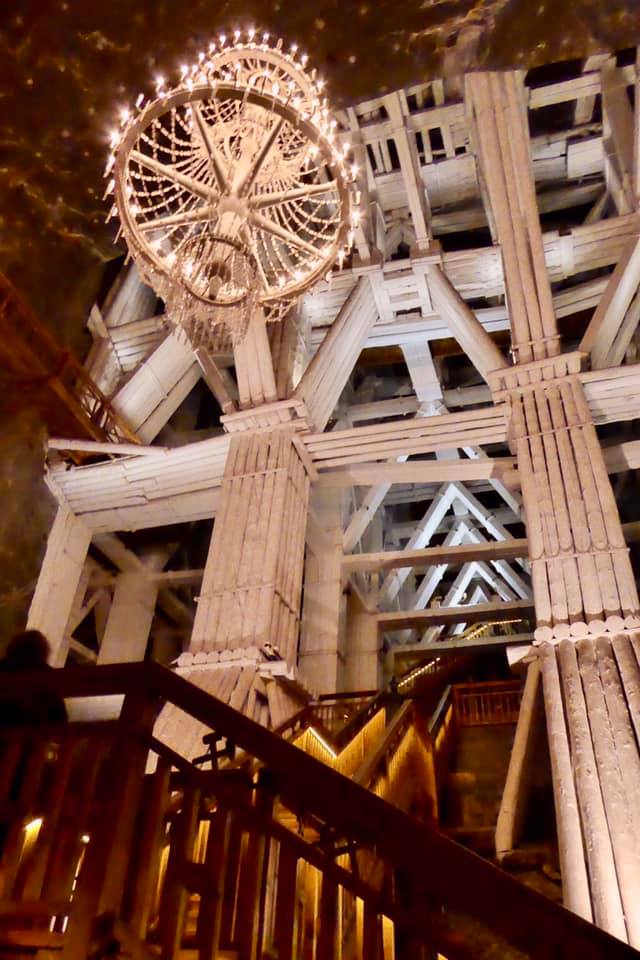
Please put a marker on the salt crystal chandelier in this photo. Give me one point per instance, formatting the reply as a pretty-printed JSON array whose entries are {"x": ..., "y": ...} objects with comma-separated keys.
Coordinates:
[{"x": 232, "y": 186}]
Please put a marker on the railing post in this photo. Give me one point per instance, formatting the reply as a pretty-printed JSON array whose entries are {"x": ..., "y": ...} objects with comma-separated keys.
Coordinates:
[
  {"x": 371, "y": 933},
  {"x": 149, "y": 849},
  {"x": 213, "y": 890},
  {"x": 173, "y": 905},
  {"x": 328, "y": 947},
  {"x": 286, "y": 914},
  {"x": 253, "y": 878},
  {"x": 102, "y": 878}
]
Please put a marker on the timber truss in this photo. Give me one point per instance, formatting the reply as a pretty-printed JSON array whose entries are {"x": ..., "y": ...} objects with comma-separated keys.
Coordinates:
[{"x": 490, "y": 206}]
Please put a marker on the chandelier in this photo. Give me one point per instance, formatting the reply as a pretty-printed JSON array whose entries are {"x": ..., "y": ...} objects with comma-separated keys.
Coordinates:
[{"x": 233, "y": 188}]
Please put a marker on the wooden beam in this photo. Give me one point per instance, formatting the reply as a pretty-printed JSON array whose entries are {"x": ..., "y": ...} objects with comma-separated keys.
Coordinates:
[
  {"x": 324, "y": 379},
  {"x": 418, "y": 435},
  {"x": 177, "y": 578},
  {"x": 442, "y": 616},
  {"x": 421, "y": 471},
  {"x": 464, "y": 324},
  {"x": 607, "y": 336},
  {"x": 622, "y": 456},
  {"x": 397, "y": 108},
  {"x": 214, "y": 380},
  {"x": 618, "y": 126},
  {"x": 157, "y": 388},
  {"x": 254, "y": 365},
  {"x": 498, "y": 118},
  {"x": 469, "y": 644},
  {"x": 432, "y": 556},
  {"x": 113, "y": 449}
]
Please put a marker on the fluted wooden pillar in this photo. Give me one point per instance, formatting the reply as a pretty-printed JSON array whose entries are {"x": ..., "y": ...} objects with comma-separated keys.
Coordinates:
[
  {"x": 588, "y": 632},
  {"x": 252, "y": 581}
]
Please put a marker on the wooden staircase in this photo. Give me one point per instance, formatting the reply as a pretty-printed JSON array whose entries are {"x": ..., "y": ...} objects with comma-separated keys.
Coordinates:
[{"x": 276, "y": 857}]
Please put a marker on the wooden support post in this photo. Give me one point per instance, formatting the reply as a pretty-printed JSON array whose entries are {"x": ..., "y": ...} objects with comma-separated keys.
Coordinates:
[
  {"x": 608, "y": 334},
  {"x": 209, "y": 930},
  {"x": 60, "y": 574},
  {"x": 129, "y": 622},
  {"x": 285, "y": 933},
  {"x": 575, "y": 883},
  {"x": 362, "y": 668},
  {"x": 617, "y": 137},
  {"x": 497, "y": 112},
  {"x": 514, "y": 795},
  {"x": 149, "y": 849},
  {"x": 605, "y": 894},
  {"x": 251, "y": 586},
  {"x": 464, "y": 324},
  {"x": 158, "y": 387},
  {"x": 175, "y": 895},
  {"x": 322, "y": 633},
  {"x": 328, "y": 947},
  {"x": 101, "y": 888},
  {"x": 254, "y": 366},
  {"x": 324, "y": 379},
  {"x": 618, "y": 769}
]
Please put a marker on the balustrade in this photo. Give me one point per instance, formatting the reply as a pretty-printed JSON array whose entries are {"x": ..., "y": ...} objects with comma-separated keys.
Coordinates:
[{"x": 109, "y": 836}]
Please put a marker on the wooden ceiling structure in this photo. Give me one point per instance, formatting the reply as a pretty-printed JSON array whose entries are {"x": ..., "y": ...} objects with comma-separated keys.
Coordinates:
[{"x": 500, "y": 205}]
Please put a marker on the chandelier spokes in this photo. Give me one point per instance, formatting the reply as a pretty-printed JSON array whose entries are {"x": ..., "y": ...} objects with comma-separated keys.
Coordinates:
[{"x": 231, "y": 188}]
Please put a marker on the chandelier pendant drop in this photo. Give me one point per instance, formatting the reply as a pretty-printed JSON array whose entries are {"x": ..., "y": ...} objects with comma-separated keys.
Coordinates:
[{"x": 232, "y": 190}]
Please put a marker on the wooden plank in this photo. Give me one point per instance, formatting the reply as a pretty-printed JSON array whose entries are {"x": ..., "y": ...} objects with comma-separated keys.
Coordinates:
[
  {"x": 442, "y": 616},
  {"x": 214, "y": 380},
  {"x": 452, "y": 646},
  {"x": 432, "y": 556},
  {"x": 605, "y": 326},
  {"x": 421, "y": 471}
]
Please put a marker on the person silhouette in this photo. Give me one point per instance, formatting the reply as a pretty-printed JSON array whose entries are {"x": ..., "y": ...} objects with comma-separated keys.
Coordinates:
[{"x": 29, "y": 650}]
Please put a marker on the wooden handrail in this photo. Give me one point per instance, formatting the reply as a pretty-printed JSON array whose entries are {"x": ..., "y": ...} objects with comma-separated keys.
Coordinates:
[
  {"x": 455, "y": 876},
  {"x": 366, "y": 772}
]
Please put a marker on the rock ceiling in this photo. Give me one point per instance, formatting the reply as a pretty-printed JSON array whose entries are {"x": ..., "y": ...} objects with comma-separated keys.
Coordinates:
[{"x": 66, "y": 65}]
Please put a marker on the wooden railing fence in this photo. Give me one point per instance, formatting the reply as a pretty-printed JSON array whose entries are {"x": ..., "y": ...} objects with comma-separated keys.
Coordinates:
[
  {"x": 282, "y": 857},
  {"x": 486, "y": 703}
]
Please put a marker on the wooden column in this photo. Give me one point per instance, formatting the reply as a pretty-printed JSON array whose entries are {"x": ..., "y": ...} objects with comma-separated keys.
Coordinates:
[
  {"x": 127, "y": 631},
  {"x": 362, "y": 668},
  {"x": 60, "y": 574},
  {"x": 321, "y": 639},
  {"x": 514, "y": 795},
  {"x": 582, "y": 577},
  {"x": 252, "y": 581},
  {"x": 324, "y": 379},
  {"x": 496, "y": 107},
  {"x": 254, "y": 365},
  {"x": 585, "y": 598},
  {"x": 158, "y": 387}
]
